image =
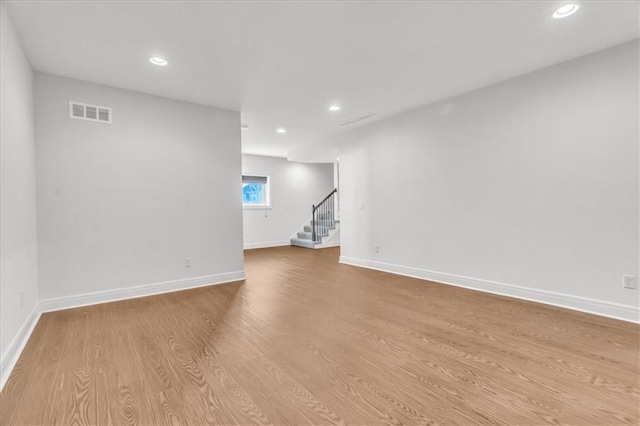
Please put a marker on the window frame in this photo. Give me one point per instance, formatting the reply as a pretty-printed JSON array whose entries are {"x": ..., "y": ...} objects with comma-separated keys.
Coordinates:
[{"x": 267, "y": 192}]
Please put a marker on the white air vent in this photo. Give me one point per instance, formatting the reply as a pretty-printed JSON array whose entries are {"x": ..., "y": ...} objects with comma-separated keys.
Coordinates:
[
  {"x": 357, "y": 119},
  {"x": 89, "y": 112}
]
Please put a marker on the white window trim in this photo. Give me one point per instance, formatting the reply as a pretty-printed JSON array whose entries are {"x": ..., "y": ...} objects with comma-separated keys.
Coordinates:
[
  {"x": 256, "y": 206},
  {"x": 267, "y": 186}
]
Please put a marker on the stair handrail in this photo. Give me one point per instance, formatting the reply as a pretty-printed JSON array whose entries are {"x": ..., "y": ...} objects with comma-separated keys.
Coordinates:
[{"x": 326, "y": 208}]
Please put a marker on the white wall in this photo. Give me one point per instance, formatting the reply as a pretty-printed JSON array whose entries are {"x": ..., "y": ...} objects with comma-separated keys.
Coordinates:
[
  {"x": 532, "y": 182},
  {"x": 124, "y": 204},
  {"x": 18, "y": 241},
  {"x": 294, "y": 188}
]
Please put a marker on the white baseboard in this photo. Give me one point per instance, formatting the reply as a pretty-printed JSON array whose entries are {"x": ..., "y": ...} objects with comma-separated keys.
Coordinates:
[
  {"x": 12, "y": 353},
  {"x": 576, "y": 303},
  {"x": 86, "y": 299},
  {"x": 328, "y": 244},
  {"x": 249, "y": 246}
]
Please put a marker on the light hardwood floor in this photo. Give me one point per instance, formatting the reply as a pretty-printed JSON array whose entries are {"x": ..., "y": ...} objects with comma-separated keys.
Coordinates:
[{"x": 305, "y": 340}]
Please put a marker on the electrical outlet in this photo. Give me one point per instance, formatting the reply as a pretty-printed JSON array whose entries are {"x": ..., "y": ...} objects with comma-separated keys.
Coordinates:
[
  {"x": 21, "y": 299},
  {"x": 360, "y": 205},
  {"x": 376, "y": 249},
  {"x": 630, "y": 281},
  {"x": 187, "y": 262}
]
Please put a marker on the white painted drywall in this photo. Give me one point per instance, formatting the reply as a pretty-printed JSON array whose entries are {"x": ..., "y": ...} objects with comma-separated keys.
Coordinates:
[
  {"x": 531, "y": 182},
  {"x": 124, "y": 204},
  {"x": 294, "y": 188},
  {"x": 18, "y": 239}
]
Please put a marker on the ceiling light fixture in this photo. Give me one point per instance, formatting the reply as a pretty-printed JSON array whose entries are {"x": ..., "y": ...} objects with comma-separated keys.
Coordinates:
[
  {"x": 334, "y": 108},
  {"x": 281, "y": 130},
  {"x": 566, "y": 10},
  {"x": 157, "y": 60}
]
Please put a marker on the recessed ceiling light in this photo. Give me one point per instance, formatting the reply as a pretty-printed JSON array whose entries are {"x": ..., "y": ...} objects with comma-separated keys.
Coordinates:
[
  {"x": 157, "y": 60},
  {"x": 334, "y": 108},
  {"x": 566, "y": 10},
  {"x": 281, "y": 130}
]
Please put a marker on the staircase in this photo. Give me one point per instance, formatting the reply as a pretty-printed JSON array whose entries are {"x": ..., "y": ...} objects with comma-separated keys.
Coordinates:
[{"x": 323, "y": 230}]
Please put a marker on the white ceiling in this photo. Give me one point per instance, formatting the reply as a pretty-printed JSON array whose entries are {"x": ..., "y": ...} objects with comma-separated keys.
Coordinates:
[{"x": 284, "y": 63}]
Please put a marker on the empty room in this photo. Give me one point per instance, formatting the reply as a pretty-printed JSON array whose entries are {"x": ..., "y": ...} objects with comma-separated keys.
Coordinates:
[{"x": 319, "y": 212}]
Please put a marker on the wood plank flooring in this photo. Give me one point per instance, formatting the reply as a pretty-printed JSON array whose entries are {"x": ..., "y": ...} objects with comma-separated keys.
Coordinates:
[{"x": 305, "y": 340}]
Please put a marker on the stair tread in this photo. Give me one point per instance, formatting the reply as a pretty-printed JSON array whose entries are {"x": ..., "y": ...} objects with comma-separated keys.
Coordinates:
[
  {"x": 324, "y": 228},
  {"x": 302, "y": 243}
]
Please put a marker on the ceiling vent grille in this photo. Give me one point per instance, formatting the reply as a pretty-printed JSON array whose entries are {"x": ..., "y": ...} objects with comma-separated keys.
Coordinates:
[
  {"x": 355, "y": 120},
  {"x": 82, "y": 111}
]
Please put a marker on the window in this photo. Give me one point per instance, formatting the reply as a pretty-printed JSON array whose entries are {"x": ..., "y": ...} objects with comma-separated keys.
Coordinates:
[{"x": 255, "y": 191}]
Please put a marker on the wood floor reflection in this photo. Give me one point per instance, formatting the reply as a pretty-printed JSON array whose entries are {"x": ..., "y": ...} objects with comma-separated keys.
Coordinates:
[{"x": 305, "y": 340}]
